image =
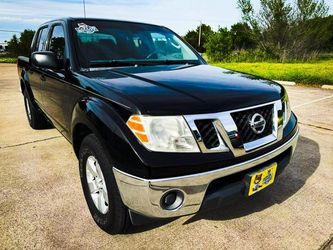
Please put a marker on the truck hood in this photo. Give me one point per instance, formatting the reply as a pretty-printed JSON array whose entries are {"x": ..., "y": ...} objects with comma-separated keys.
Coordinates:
[{"x": 185, "y": 89}]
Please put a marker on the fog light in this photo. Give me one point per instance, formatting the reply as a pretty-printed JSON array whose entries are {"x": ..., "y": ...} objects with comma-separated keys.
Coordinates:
[{"x": 172, "y": 200}]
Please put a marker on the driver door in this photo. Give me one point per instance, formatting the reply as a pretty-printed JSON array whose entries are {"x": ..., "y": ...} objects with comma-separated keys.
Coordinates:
[{"x": 54, "y": 84}]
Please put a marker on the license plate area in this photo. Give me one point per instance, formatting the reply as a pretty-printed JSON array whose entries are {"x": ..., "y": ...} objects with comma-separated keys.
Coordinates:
[{"x": 260, "y": 179}]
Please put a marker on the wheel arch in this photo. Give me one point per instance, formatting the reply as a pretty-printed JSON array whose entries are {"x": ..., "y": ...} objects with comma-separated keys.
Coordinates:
[
  {"x": 25, "y": 86},
  {"x": 80, "y": 131},
  {"x": 92, "y": 115}
]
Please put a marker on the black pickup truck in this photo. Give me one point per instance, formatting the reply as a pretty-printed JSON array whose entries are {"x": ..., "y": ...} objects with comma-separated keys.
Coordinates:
[{"x": 158, "y": 133}]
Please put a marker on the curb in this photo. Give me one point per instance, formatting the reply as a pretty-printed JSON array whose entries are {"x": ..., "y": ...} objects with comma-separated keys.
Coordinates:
[
  {"x": 327, "y": 87},
  {"x": 288, "y": 83}
]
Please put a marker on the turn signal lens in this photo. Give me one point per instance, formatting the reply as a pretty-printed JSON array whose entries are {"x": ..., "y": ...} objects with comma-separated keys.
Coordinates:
[
  {"x": 135, "y": 124},
  {"x": 141, "y": 137}
]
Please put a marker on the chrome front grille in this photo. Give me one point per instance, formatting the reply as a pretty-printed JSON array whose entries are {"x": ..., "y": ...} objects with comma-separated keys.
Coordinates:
[
  {"x": 208, "y": 133},
  {"x": 231, "y": 130},
  {"x": 242, "y": 121}
]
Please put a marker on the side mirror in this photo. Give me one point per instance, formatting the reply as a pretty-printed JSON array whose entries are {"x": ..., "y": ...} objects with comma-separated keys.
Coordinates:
[{"x": 45, "y": 59}]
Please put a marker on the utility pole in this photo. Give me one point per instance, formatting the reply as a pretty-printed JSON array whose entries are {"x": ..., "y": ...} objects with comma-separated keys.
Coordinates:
[
  {"x": 199, "y": 40},
  {"x": 84, "y": 8}
]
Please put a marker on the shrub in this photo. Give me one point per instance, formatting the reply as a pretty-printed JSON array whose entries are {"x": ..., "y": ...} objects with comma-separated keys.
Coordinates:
[
  {"x": 219, "y": 45},
  {"x": 256, "y": 55}
]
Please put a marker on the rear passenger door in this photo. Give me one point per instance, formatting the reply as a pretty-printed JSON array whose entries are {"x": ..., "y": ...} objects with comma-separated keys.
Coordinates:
[
  {"x": 55, "y": 88},
  {"x": 35, "y": 73}
]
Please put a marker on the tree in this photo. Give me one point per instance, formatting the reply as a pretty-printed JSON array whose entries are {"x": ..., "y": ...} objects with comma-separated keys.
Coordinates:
[
  {"x": 283, "y": 28},
  {"x": 319, "y": 35},
  {"x": 309, "y": 9},
  {"x": 243, "y": 37},
  {"x": 327, "y": 28},
  {"x": 25, "y": 41},
  {"x": 21, "y": 46},
  {"x": 275, "y": 16},
  {"x": 13, "y": 46},
  {"x": 219, "y": 45},
  {"x": 192, "y": 37},
  {"x": 311, "y": 29}
]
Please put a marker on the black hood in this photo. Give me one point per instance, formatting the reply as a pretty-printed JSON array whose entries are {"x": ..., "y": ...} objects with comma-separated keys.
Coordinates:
[{"x": 175, "y": 89}]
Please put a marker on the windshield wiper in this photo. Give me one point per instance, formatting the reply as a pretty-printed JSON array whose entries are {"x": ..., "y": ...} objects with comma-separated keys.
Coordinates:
[
  {"x": 113, "y": 63},
  {"x": 120, "y": 63},
  {"x": 169, "y": 62}
]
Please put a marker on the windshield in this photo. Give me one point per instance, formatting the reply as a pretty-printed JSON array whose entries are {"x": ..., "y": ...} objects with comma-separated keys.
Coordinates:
[{"x": 100, "y": 43}]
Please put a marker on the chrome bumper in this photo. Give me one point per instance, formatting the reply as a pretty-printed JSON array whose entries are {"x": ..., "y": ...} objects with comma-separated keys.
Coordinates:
[{"x": 144, "y": 195}]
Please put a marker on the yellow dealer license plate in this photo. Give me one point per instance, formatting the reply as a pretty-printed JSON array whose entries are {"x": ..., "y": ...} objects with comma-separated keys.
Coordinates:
[{"x": 261, "y": 179}]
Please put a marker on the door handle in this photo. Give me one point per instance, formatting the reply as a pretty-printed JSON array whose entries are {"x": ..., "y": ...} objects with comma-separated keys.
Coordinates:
[{"x": 42, "y": 78}]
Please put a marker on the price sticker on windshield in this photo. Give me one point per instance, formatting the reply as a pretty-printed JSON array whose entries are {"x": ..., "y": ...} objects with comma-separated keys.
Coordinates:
[{"x": 86, "y": 29}]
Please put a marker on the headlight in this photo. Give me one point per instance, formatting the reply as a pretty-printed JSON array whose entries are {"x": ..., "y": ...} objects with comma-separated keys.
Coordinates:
[
  {"x": 163, "y": 133},
  {"x": 286, "y": 109}
]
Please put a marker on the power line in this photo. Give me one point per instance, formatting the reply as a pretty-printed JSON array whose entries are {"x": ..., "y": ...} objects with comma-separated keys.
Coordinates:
[{"x": 11, "y": 31}]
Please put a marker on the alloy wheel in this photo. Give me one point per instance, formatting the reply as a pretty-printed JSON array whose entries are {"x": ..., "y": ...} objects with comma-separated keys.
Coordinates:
[{"x": 96, "y": 184}]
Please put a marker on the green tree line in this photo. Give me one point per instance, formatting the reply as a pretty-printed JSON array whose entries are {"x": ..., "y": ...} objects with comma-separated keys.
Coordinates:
[
  {"x": 21, "y": 45},
  {"x": 280, "y": 30}
]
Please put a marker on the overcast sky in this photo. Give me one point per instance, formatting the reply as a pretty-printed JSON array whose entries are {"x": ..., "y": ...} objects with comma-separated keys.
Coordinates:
[{"x": 179, "y": 15}]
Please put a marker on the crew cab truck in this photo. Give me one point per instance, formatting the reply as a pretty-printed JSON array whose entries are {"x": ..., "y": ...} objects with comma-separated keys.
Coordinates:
[{"x": 158, "y": 133}]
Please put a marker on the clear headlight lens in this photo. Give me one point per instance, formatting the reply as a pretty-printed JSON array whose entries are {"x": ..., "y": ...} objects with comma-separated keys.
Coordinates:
[
  {"x": 163, "y": 133},
  {"x": 286, "y": 109}
]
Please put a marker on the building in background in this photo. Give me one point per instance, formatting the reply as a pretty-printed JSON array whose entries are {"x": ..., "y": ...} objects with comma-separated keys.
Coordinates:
[{"x": 3, "y": 47}]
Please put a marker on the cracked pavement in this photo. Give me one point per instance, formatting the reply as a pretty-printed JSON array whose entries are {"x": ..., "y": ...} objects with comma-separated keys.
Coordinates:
[{"x": 42, "y": 205}]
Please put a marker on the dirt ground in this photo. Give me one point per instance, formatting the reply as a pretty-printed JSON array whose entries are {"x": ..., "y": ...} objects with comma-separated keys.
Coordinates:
[{"x": 42, "y": 204}]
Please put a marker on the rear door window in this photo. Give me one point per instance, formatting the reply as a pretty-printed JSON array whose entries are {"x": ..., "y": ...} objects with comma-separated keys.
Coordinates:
[{"x": 57, "y": 42}]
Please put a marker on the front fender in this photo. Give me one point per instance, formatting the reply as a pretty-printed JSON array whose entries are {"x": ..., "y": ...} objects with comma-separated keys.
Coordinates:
[{"x": 104, "y": 121}]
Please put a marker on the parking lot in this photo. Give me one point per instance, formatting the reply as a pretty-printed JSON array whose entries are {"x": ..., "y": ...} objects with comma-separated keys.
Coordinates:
[{"x": 42, "y": 204}]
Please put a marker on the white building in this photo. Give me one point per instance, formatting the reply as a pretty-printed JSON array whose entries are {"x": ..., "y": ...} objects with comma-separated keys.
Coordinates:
[{"x": 3, "y": 47}]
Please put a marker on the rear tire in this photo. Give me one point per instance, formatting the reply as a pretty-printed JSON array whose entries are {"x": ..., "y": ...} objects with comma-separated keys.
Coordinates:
[
  {"x": 35, "y": 116},
  {"x": 101, "y": 194}
]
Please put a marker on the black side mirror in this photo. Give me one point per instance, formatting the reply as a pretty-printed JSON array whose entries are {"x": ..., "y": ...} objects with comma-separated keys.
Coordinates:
[{"x": 45, "y": 59}]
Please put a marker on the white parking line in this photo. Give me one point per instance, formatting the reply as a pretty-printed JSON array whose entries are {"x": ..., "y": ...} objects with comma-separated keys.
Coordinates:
[{"x": 317, "y": 100}]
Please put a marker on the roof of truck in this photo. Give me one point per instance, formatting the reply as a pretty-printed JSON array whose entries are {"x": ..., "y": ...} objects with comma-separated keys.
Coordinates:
[{"x": 67, "y": 19}]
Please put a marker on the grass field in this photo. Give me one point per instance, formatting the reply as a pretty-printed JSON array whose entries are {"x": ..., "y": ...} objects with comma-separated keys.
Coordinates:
[
  {"x": 314, "y": 73},
  {"x": 6, "y": 59}
]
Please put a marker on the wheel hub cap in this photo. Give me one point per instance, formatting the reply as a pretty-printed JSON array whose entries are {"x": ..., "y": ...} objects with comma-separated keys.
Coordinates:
[{"x": 96, "y": 184}]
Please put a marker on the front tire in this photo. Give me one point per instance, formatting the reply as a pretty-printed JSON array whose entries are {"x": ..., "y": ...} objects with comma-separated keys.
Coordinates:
[
  {"x": 35, "y": 117},
  {"x": 100, "y": 187}
]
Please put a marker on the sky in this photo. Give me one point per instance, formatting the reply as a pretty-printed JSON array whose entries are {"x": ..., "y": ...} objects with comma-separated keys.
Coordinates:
[{"x": 178, "y": 15}]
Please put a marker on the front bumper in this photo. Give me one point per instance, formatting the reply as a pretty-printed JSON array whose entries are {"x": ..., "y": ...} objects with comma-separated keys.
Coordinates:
[{"x": 143, "y": 196}]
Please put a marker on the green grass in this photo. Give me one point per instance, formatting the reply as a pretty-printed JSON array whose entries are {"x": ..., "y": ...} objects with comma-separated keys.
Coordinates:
[
  {"x": 8, "y": 60},
  {"x": 314, "y": 73}
]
